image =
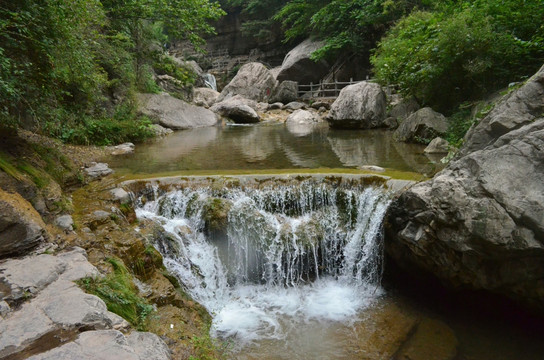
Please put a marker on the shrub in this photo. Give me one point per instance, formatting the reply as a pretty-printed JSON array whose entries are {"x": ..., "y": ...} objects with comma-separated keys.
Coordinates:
[{"x": 461, "y": 51}]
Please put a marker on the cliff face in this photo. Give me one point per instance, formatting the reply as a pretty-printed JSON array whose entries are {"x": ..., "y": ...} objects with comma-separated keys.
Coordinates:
[
  {"x": 230, "y": 41},
  {"x": 479, "y": 223}
]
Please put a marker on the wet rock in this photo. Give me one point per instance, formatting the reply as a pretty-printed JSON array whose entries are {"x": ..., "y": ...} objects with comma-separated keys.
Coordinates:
[
  {"x": 437, "y": 146},
  {"x": 236, "y": 110},
  {"x": 205, "y": 97},
  {"x": 123, "y": 149},
  {"x": 253, "y": 81},
  {"x": 160, "y": 131},
  {"x": 302, "y": 117},
  {"x": 285, "y": 92},
  {"x": 298, "y": 66},
  {"x": 422, "y": 126},
  {"x": 110, "y": 345},
  {"x": 120, "y": 195},
  {"x": 294, "y": 105},
  {"x": 97, "y": 170},
  {"x": 21, "y": 227},
  {"x": 65, "y": 222},
  {"x": 433, "y": 340},
  {"x": 384, "y": 331},
  {"x": 215, "y": 213},
  {"x": 173, "y": 113},
  {"x": 359, "y": 106}
]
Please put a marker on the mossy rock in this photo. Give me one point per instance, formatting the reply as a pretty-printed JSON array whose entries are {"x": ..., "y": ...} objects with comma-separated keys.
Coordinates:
[{"x": 215, "y": 214}]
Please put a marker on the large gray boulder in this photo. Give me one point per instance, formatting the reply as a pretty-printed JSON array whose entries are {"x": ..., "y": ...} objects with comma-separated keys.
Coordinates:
[
  {"x": 359, "y": 106},
  {"x": 205, "y": 96},
  {"x": 285, "y": 92},
  {"x": 236, "y": 109},
  {"x": 173, "y": 113},
  {"x": 302, "y": 117},
  {"x": 479, "y": 223},
  {"x": 422, "y": 126},
  {"x": 21, "y": 227},
  {"x": 518, "y": 108},
  {"x": 253, "y": 81},
  {"x": 297, "y": 65},
  {"x": 401, "y": 108}
]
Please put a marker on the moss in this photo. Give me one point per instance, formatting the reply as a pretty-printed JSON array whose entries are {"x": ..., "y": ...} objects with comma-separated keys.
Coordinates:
[
  {"x": 38, "y": 177},
  {"x": 6, "y": 165},
  {"x": 118, "y": 291},
  {"x": 216, "y": 212},
  {"x": 397, "y": 174}
]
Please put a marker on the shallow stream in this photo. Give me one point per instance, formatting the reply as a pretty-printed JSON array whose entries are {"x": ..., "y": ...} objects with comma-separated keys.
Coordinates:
[{"x": 294, "y": 271}]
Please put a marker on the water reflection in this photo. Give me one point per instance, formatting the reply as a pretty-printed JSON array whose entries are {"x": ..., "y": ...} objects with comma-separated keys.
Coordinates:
[{"x": 277, "y": 146}]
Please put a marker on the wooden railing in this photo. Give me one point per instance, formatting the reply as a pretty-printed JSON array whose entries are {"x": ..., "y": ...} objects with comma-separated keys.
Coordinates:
[{"x": 323, "y": 89}]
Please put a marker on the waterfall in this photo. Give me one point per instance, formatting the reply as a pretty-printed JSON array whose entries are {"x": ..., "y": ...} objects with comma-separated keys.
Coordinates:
[
  {"x": 209, "y": 81},
  {"x": 256, "y": 255}
]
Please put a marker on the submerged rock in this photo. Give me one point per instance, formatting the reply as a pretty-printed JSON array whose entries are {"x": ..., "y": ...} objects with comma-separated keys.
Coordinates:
[
  {"x": 422, "y": 126},
  {"x": 21, "y": 227},
  {"x": 359, "y": 106}
]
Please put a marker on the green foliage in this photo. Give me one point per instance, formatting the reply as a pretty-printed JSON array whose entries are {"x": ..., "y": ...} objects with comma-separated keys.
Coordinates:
[
  {"x": 167, "y": 65},
  {"x": 347, "y": 26},
  {"x": 120, "y": 294},
  {"x": 69, "y": 66},
  {"x": 123, "y": 126},
  {"x": 461, "y": 50}
]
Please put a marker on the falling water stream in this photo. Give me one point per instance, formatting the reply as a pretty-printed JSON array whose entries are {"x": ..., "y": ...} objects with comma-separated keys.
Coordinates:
[{"x": 291, "y": 264}]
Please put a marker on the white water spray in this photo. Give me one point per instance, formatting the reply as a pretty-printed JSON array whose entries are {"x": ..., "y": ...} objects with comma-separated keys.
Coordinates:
[{"x": 287, "y": 253}]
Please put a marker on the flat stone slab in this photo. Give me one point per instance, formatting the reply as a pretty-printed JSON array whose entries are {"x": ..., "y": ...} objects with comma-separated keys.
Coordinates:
[{"x": 54, "y": 309}]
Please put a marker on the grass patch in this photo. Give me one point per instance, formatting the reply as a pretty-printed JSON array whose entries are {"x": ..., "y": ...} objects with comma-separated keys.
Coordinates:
[{"x": 120, "y": 294}]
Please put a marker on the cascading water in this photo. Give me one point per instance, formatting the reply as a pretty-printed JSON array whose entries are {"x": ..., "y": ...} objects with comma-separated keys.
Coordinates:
[{"x": 264, "y": 258}]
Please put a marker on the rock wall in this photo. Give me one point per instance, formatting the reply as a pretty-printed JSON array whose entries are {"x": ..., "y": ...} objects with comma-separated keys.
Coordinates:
[{"x": 479, "y": 223}]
